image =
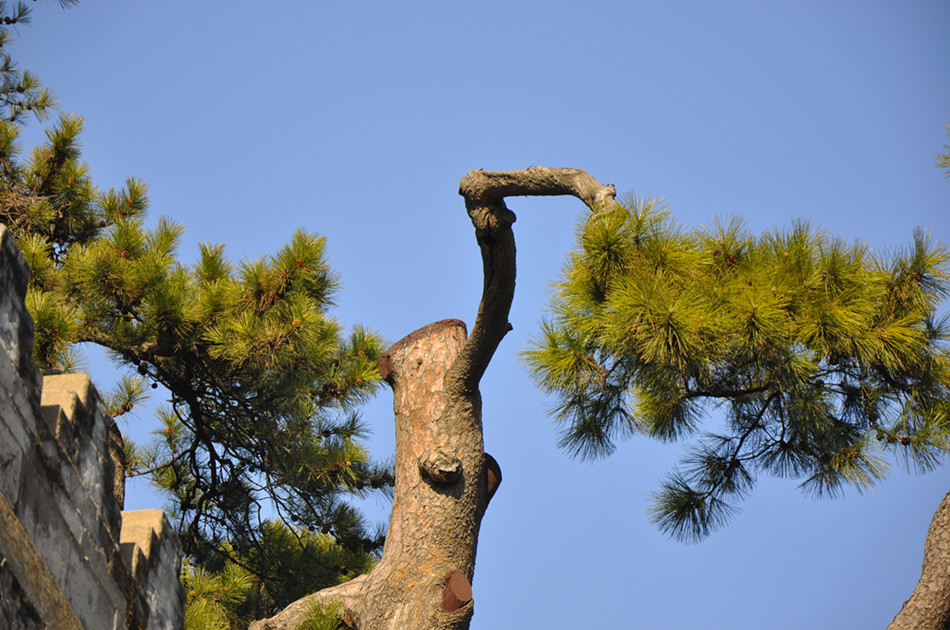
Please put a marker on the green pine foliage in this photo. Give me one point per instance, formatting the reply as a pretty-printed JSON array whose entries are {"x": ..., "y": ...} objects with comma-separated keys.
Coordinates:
[
  {"x": 263, "y": 382},
  {"x": 821, "y": 357},
  {"x": 260, "y": 448},
  {"x": 227, "y": 595},
  {"x": 215, "y": 601},
  {"x": 330, "y": 618}
]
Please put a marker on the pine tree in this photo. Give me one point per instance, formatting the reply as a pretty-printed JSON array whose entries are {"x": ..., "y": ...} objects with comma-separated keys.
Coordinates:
[
  {"x": 260, "y": 434},
  {"x": 823, "y": 356},
  {"x": 263, "y": 382}
]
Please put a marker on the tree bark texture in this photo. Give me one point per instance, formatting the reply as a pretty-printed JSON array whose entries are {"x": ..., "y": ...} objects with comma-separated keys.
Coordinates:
[
  {"x": 928, "y": 607},
  {"x": 444, "y": 479}
]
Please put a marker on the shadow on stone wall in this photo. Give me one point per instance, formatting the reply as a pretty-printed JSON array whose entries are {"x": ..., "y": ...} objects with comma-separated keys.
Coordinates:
[{"x": 69, "y": 556}]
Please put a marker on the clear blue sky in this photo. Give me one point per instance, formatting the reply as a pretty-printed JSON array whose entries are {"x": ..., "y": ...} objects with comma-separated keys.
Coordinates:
[{"x": 357, "y": 119}]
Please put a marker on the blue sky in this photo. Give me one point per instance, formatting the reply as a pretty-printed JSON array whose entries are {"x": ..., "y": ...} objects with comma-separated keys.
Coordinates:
[{"x": 356, "y": 120}]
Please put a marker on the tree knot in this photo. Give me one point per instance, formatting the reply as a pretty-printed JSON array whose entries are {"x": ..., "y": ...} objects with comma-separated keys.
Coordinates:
[{"x": 441, "y": 466}]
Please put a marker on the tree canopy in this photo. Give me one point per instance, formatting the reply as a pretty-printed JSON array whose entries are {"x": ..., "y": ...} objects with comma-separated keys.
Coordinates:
[
  {"x": 260, "y": 447},
  {"x": 822, "y": 355}
]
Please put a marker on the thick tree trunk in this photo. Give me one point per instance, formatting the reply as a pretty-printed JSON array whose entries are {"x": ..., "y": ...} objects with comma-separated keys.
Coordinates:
[
  {"x": 443, "y": 483},
  {"x": 929, "y": 605},
  {"x": 444, "y": 479}
]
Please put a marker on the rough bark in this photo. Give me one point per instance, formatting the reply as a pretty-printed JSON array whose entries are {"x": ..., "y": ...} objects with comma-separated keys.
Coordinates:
[
  {"x": 444, "y": 479},
  {"x": 928, "y": 607}
]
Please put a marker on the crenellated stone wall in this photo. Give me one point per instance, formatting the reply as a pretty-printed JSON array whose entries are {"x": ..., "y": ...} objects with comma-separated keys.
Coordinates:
[{"x": 69, "y": 557}]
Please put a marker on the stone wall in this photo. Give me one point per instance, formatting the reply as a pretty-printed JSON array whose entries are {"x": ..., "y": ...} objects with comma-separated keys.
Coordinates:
[{"x": 69, "y": 557}]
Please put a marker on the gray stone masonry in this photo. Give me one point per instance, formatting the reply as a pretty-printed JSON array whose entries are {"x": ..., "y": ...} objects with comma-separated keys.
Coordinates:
[{"x": 69, "y": 557}]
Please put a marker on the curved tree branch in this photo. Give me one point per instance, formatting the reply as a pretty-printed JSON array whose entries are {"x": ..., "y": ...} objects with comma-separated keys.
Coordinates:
[{"x": 484, "y": 194}]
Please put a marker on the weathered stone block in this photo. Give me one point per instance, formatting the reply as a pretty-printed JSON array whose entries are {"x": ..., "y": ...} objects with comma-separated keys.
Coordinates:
[
  {"x": 16, "y": 609},
  {"x": 42, "y": 592},
  {"x": 12, "y": 447},
  {"x": 75, "y": 413},
  {"x": 153, "y": 554},
  {"x": 16, "y": 325}
]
